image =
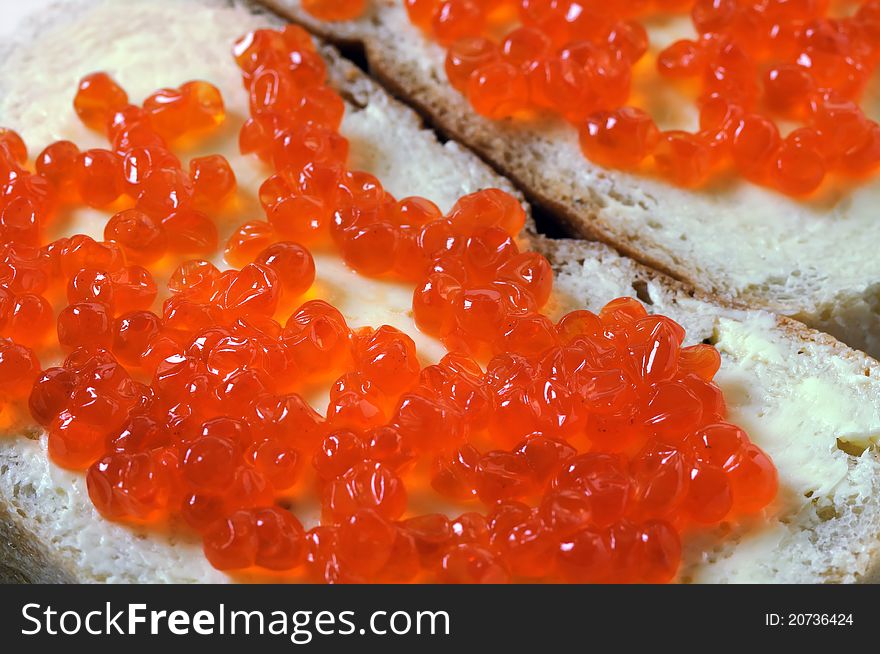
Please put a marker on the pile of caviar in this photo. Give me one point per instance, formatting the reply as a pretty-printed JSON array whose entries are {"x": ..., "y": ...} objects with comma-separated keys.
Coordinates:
[
  {"x": 579, "y": 450},
  {"x": 755, "y": 65}
]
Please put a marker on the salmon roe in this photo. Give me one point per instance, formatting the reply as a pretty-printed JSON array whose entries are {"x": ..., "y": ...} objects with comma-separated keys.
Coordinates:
[
  {"x": 578, "y": 449},
  {"x": 753, "y": 66},
  {"x": 335, "y": 9}
]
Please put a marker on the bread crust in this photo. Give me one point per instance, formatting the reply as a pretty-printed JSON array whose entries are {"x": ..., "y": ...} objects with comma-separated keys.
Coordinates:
[{"x": 24, "y": 558}]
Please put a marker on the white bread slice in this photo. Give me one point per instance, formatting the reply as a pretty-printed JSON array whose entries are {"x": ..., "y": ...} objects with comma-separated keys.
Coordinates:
[
  {"x": 814, "y": 261},
  {"x": 807, "y": 399},
  {"x": 797, "y": 392}
]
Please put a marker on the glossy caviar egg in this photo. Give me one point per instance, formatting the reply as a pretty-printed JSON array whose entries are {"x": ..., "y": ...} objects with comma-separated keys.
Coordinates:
[
  {"x": 57, "y": 163},
  {"x": 467, "y": 55},
  {"x": 213, "y": 181},
  {"x": 497, "y": 89},
  {"x": 292, "y": 263},
  {"x": 13, "y": 146},
  {"x": 621, "y": 138},
  {"x": 97, "y": 97},
  {"x": 141, "y": 236},
  {"x": 455, "y": 19},
  {"x": 139, "y": 162},
  {"x": 98, "y": 177},
  {"x": 19, "y": 366},
  {"x": 247, "y": 242}
]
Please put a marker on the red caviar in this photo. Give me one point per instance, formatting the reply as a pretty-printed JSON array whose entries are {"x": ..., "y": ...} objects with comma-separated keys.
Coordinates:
[
  {"x": 515, "y": 58},
  {"x": 579, "y": 449}
]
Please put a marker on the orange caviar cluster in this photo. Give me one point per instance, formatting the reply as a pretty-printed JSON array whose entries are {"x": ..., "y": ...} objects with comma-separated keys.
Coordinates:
[
  {"x": 754, "y": 63},
  {"x": 578, "y": 450}
]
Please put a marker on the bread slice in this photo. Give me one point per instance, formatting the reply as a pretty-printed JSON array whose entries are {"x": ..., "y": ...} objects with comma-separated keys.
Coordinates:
[
  {"x": 805, "y": 398},
  {"x": 813, "y": 261}
]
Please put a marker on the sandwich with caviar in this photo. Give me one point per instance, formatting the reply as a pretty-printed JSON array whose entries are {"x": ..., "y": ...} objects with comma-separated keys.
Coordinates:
[
  {"x": 258, "y": 323},
  {"x": 733, "y": 144}
]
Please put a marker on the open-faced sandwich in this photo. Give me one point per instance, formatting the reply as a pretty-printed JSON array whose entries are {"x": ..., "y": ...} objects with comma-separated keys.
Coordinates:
[
  {"x": 731, "y": 143},
  {"x": 258, "y": 323}
]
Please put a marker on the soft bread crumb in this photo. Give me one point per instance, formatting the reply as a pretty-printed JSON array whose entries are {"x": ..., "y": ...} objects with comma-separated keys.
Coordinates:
[{"x": 793, "y": 390}]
